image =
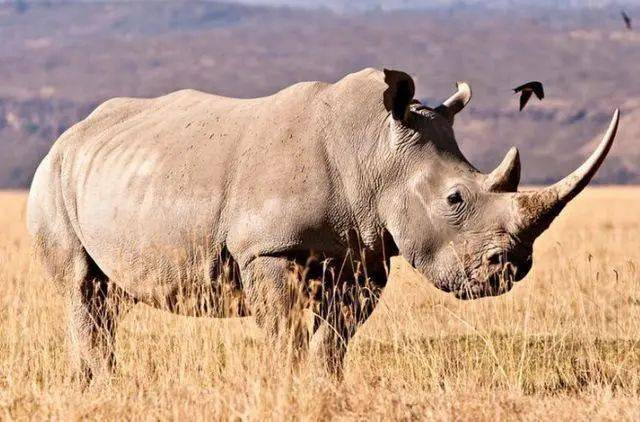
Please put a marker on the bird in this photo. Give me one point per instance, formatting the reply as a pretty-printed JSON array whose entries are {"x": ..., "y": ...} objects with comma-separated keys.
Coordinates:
[
  {"x": 527, "y": 89},
  {"x": 627, "y": 19}
]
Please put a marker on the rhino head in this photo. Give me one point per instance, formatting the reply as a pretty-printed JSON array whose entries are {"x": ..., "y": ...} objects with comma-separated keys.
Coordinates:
[{"x": 469, "y": 233}]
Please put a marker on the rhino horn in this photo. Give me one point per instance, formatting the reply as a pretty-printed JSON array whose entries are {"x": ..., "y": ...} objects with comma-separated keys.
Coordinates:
[
  {"x": 452, "y": 105},
  {"x": 506, "y": 177},
  {"x": 537, "y": 209}
]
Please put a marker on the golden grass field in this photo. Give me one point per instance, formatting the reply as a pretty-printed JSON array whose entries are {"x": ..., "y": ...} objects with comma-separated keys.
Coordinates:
[{"x": 565, "y": 343}]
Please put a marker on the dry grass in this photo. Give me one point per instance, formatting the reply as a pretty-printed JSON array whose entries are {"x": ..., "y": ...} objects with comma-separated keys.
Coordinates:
[{"x": 565, "y": 342}]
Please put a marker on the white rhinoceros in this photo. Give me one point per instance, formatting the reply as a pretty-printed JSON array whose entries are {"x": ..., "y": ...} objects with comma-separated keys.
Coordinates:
[{"x": 207, "y": 205}]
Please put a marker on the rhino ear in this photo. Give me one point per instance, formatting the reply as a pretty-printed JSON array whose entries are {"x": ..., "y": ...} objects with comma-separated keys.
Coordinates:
[{"x": 399, "y": 93}]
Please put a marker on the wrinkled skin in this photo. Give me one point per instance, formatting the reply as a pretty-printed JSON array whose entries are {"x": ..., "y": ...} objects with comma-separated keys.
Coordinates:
[
  {"x": 271, "y": 207},
  {"x": 468, "y": 240}
]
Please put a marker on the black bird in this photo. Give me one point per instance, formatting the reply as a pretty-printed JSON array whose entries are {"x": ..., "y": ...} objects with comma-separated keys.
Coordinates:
[
  {"x": 527, "y": 89},
  {"x": 627, "y": 19}
]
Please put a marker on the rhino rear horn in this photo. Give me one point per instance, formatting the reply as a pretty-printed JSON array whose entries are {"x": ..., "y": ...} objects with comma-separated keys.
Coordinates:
[{"x": 506, "y": 177}]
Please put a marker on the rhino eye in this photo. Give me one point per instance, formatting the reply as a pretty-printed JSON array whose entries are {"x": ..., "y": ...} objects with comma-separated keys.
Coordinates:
[{"x": 454, "y": 198}]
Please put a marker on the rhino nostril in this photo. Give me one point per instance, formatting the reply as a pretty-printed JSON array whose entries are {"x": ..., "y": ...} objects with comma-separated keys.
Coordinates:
[{"x": 495, "y": 258}]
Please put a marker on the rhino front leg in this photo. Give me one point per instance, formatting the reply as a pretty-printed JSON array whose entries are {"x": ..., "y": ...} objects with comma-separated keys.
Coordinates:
[
  {"x": 338, "y": 320},
  {"x": 275, "y": 296}
]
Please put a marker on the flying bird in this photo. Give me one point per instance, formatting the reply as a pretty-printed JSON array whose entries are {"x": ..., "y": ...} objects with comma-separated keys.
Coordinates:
[
  {"x": 533, "y": 87},
  {"x": 627, "y": 19}
]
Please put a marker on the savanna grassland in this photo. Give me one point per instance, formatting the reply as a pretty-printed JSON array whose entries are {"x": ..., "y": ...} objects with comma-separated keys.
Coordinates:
[{"x": 564, "y": 343}]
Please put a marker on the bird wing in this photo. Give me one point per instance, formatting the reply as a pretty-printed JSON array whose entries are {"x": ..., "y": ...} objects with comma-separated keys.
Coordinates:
[
  {"x": 521, "y": 87},
  {"x": 627, "y": 19},
  {"x": 538, "y": 90},
  {"x": 524, "y": 98}
]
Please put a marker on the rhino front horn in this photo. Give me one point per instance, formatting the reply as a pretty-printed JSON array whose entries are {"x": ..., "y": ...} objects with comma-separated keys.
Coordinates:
[{"x": 538, "y": 209}]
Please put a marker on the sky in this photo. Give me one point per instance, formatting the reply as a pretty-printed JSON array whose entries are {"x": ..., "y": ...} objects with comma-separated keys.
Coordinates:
[{"x": 363, "y": 5}]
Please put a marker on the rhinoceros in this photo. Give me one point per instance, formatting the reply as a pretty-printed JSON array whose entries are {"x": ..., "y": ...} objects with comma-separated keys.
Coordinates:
[{"x": 206, "y": 205}]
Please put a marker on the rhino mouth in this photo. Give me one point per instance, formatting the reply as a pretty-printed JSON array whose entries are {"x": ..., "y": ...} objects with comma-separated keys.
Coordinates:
[{"x": 495, "y": 284}]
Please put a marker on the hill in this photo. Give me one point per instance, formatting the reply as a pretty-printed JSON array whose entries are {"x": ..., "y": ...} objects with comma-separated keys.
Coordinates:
[{"x": 60, "y": 59}]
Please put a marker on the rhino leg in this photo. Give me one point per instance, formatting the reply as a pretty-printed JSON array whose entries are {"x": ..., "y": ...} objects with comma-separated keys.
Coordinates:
[
  {"x": 282, "y": 291},
  {"x": 347, "y": 306},
  {"x": 328, "y": 349},
  {"x": 93, "y": 302},
  {"x": 94, "y": 307},
  {"x": 275, "y": 298}
]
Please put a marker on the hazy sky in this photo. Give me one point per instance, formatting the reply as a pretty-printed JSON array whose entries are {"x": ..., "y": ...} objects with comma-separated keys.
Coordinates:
[{"x": 426, "y": 4}]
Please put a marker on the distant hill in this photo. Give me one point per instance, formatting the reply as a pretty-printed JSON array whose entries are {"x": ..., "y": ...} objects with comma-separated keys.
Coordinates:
[{"x": 60, "y": 59}]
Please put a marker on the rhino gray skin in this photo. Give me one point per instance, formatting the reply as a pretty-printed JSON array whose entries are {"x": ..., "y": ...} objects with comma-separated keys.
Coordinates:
[{"x": 226, "y": 201}]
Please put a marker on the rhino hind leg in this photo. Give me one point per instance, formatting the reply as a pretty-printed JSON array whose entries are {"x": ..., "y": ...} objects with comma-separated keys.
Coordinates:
[
  {"x": 95, "y": 305},
  {"x": 93, "y": 302}
]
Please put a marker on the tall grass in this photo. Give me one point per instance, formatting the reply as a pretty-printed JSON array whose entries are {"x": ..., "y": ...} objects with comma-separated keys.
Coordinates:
[{"x": 564, "y": 342}]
